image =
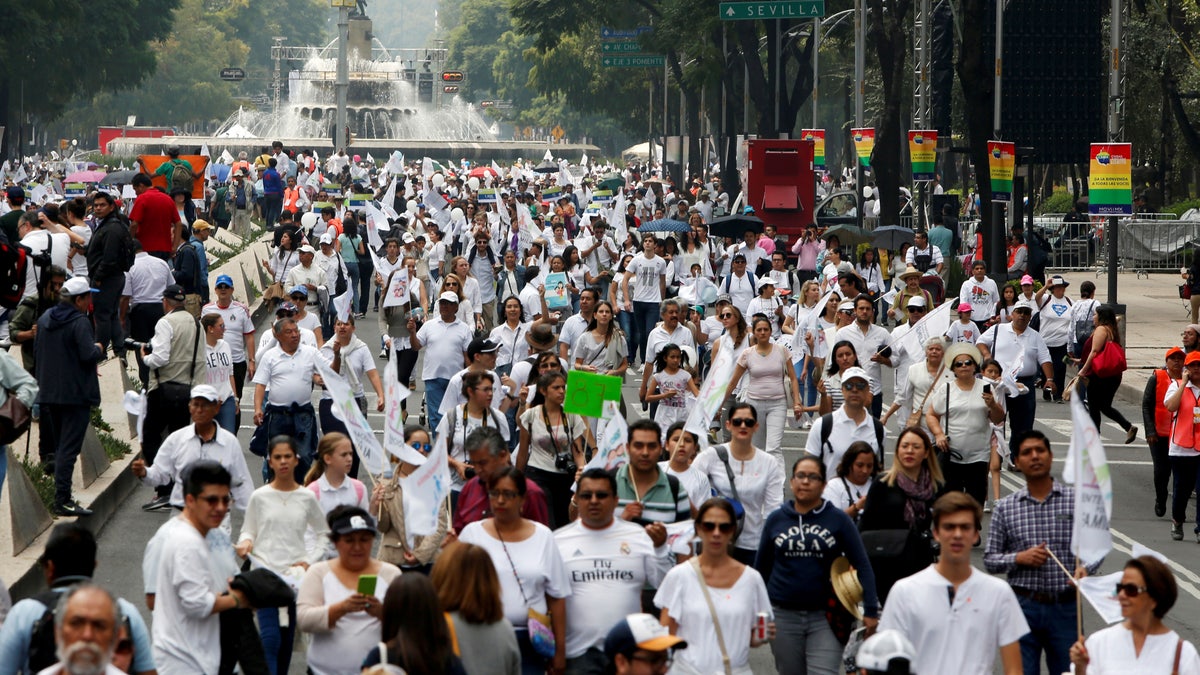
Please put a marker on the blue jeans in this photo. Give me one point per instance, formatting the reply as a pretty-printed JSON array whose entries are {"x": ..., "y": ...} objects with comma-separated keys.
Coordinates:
[
  {"x": 435, "y": 391},
  {"x": 645, "y": 315},
  {"x": 804, "y": 643},
  {"x": 625, "y": 319},
  {"x": 227, "y": 415},
  {"x": 1051, "y": 629},
  {"x": 808, "y": 387},
  {"x": 277, "y": 640},
  {"x": 299, "y": 422},
  {"x": 352, "y": 272}
]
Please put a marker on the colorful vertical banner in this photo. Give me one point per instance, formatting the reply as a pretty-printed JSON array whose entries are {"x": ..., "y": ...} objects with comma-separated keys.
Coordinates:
[
  {"x": 1001, "y": 162},
  {"x": 864, "y": 143},
  {"x": 922, "y": 152},
  {"x": 1110, "y": 183},
  {"x": 817, "y": 136}
]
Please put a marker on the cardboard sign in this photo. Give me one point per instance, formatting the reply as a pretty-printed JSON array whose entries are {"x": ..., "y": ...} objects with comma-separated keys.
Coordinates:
[{"x": 587, "y": 392}]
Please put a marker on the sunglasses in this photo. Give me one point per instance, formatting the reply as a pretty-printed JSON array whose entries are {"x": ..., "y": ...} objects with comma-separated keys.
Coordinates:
[
  {"x": 727, "y": 315},
  {"x": 855, "y": 386},
  {"x": 1131, "y": 590},
  {"x": 847, "y": 312},
  {"x": 422, "y": 447},
  {"x": 918, "y": 310},
  {"x": 589, "y": 496},
  {"x": 963, "y": 364},
  {"x": 742, "y": 421},
  {"x": 213, "y": 500},
  {"x": 709, "y": 526}
]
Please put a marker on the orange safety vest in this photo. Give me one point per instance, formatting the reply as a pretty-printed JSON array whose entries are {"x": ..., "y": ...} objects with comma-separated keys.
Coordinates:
[
  {"x": 290, "y": 197},
  {"x": 1184, "y": 435},
  {"x": 1162, "y": 416}
]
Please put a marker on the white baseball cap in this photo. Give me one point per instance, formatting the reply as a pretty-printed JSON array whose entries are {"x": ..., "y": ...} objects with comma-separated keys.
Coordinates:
[
  {"x": 853, "y": 373},
  {"x": 206, "y": 392}
]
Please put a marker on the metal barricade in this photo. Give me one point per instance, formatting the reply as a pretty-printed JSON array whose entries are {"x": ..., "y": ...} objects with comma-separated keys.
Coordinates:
[{"x": 1146, "y": 244}]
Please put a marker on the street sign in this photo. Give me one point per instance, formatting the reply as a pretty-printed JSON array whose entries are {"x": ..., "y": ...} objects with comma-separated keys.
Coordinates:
[
  {"x": 783, "y": 9},
  {"x": 233, "y": 74},
  {"x": 607, "y": 33},
  {"x": 453, "y": 76},
  {"x": 557, "y": 132},
  {"x": 648, "y": 61},
  {"x": 622, "y": 47},
  {"x": 450, "y": 89}
]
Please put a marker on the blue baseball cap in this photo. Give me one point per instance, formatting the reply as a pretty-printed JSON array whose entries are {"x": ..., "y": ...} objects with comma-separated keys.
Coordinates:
[
  {"x": 300, "y": 289},
  {"x": 225, "y": 279}
]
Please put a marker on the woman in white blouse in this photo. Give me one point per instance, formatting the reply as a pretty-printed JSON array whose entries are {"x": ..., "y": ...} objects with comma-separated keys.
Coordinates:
[
  {"x": 531, "y": 570},
  {"x": 710, "y": 588},
  {"x": 1140, "y": 643},
  {"x": 757, "y": 477},
  {"x": 855, "y": 474}
]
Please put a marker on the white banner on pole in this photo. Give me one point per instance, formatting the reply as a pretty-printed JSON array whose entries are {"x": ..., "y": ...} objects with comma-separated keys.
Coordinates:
[
  {"x": 425, "y": 489},
  {"x": 712, "y": 392},
  {"x": 346, "y": 409},
  {"x": 1087, "y": 468}
]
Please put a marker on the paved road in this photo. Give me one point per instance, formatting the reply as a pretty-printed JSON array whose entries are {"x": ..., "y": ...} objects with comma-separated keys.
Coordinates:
[{"x": 123, "y": 539}]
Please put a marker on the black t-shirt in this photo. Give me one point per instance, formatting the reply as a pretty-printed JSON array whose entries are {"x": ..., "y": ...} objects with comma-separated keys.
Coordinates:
[{"x": 8, "y": 224}]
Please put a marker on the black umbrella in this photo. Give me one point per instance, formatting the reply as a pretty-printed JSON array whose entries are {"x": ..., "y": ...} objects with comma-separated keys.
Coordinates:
[
  {"x": 118, "y": 178},
  {"x": 891, "y": 237},
  {"x": 664, "y": 225},
  {"x": 848, "y": 235},
  {"x": 546, "y": 166},
  {"x": 735, "y": 226}
]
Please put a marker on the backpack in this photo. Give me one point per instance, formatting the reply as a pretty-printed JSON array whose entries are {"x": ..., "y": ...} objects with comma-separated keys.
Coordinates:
[
  {"x": 14, "y": 260},
  {"x": 359, "y": 489},
  {"x": 339, "y": 286},
  {"x": 182, "y": 176},
  {"x": 827, "y": 429},
  {"x": 42, "y": 649}
]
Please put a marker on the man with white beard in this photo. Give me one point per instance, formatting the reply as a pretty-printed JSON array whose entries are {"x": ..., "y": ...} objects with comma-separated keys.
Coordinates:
[{"x": 86, "y": 626}]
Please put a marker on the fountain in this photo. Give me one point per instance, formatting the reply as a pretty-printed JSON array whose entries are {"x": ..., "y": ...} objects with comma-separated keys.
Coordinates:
[{"x": 396, "y": 101}]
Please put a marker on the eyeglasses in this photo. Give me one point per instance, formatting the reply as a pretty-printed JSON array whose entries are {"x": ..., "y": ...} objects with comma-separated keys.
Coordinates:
[
  {"x": 589, "y": 496},
  {"x": 506, "y": 494},
  {"x": 963, "y": 364},
  {"x": 422, "y": 447},
  {"x": 855, "y": 386},
  {"x": 814, "y": 477},
  {"x": 1131, "y": 590},
  {"x": 709, "y": 526},
  {"x": 657, "y": 661},
  {"x": 213, "y": 500},
  {"x": 485, "y": 389},
  {"x": 742, "y": 421}
]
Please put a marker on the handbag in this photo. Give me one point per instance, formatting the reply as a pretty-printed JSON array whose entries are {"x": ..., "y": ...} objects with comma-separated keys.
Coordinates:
[
  {"x": 541, "y": 637},
  {"x": 739, "y": 511},
  {"x": 1110, "y": 362},
  {"x": 884, "y": 543},
  {"x": 713, "y": 613},
  {"x": 274, "y": 291},
  {"x": 15, "y": 418},
  {"x": 914, "y": 419}
]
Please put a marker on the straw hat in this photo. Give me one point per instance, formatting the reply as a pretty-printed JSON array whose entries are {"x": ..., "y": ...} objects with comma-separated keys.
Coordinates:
[
  {"x": 846, "y": 585},
  {"x": 910, "y": 271},
  {"x": 960, "y": 349}
]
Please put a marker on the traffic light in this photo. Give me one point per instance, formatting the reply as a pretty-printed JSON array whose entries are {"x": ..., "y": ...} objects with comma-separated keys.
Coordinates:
[
  {"x": 450, "y": 89},
  {"x": 452, "y": 76}
]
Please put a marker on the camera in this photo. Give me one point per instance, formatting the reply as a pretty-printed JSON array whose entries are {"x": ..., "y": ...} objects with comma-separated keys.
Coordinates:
[
  {"x": 136, "y": 346},
  {"x": 565, "y": 464}
]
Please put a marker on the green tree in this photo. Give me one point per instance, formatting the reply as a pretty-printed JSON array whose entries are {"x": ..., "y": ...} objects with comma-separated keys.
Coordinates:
[{"x": 475, "y": 43}]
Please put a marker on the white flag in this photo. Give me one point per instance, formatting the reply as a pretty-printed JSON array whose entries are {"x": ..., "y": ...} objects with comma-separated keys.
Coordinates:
[
  {"x": 712, "y": 392},
  {"x": 611, "y": 453},
  {"x": 342, "y": 305},
  {"x": 933, "y": 324},
  {"x": 395, "y": 163},
  {"x": 496, "y": 168},
  {"x": 1098, "y": 591},
  {"x": 394, "y": 394},
  {"x": 427, "y": 167},
  {"x": 425, "y": 489},
  {"x": 812, "y": 326},
  {"x": 396, "y": 293},
  {"x": 346, "y": 409},
  {"x": 1087, "y": 468}
]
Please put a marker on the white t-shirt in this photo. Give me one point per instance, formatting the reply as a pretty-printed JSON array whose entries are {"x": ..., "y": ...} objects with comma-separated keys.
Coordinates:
[
  {"x": 464, "y": 424},
  {"x": 220, "y": 368},
  {"x": 444, "y": 344},
  {"x": 759, "y": 485},
  {"x": 238, "y": 325},
  {"x": 357, "y": 360},
  {"x": 867, "y": 345},
  {"x": 959, "y": 636},
  {"x": 736, "y": 607},
  {"x": 536, "y": 561},
  {"x": 841, "y": 493},
  {"x": 696, "y": 483},
  {"x": 647, "y": 271},
  {"x": 38, "y": 241},
  {"x": 760, "y": 306},
  {"x": 1112, "y": 653},
  {"x": 982, "y": 296},
  {"x": 276, "y": 521},
  {"x": 187, "y": 635},
  {"x": 968, "y": 426},
  {"x": 607, "y": 570},
  {"x": 1056, "y": 320},
  {"x": 288, "y": 376}
]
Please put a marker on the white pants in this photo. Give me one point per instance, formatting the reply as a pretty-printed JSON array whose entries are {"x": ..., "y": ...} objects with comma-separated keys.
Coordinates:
[{"x": 772, "y": 418}]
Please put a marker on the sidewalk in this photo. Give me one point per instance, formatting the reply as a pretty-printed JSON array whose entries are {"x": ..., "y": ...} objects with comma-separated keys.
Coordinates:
[{"x": 1155, "y": 316}]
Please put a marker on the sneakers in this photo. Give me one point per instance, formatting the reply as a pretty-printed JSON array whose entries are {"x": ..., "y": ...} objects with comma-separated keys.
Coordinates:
[
  {"x": 806, "y": 424},
  {"x": 1177, "y": 531},
  {"x": 71, "y": 509},
  {"x": 157, "y": 504},
  {"x": 1131, "y": 434},
  {"x": 987, "y": 506}
]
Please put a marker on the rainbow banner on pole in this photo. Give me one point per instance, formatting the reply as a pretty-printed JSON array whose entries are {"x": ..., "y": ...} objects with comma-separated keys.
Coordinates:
[
  {"x": 1110, "y": 183},
  {"x": 1001, "y": 162},
  {"x": 817, "y": 136},
  {"x": 864, "y": 143},
  {"x": 922, "y": 152}
]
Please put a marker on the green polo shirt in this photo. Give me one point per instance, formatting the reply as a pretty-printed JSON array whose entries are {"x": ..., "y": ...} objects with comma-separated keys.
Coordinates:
[{"x": 660, "y": 504}]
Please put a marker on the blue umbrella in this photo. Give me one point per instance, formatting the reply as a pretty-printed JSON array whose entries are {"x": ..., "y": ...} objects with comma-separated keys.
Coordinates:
[{"x": 664, "y": 225}]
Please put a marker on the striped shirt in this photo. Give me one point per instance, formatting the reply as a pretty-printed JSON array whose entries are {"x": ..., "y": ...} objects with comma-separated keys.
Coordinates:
[{"x": 660, "y": 504}]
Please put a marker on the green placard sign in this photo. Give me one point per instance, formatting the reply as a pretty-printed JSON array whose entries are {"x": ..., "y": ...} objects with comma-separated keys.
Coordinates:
[
  {"x": 587, "y": 392},
  {"x": 623, "y": 47},
  {"x": 648, "y": 61},
  {"x": 787, "y": 9}
]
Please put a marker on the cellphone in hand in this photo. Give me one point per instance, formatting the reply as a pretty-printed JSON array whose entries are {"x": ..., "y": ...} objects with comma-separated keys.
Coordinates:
[
  {"x": 987, "y": 388},
  {"x": 366, "y": 584}
]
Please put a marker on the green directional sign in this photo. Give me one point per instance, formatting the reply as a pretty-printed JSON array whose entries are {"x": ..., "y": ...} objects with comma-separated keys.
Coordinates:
[
  {"x": 787, "y": 9},
  {"x": 648, "y": 61},
  {"x": 623, "y": 47}
]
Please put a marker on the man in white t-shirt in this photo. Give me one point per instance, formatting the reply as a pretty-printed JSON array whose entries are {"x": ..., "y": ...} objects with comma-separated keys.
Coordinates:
[
  {"x": 981, "y": 293},
  {"x": 849, "y": 423},
  {"x": 36, "y": 235},
  {"x": 609, "y": 561},
  {"x": 651, "y": 288},
  {"x": 289, "y": 372},
  {"x": 445, "y": 341},
  {"x": 190, "y": 596},
  {"x": 740, "y": 284},
  {"x": 936, "y": 607},
  {"x": 577, "y": 324},
  {"x": 239, "y": 331}
]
